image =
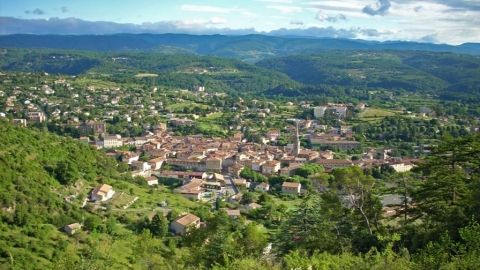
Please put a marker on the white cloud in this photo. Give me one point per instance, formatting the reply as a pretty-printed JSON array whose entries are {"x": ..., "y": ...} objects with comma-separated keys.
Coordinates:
[
  {"x": 286, "y": 9},
  {"x": 207, "y": 9},
  {"x": 276, "y": 1}
]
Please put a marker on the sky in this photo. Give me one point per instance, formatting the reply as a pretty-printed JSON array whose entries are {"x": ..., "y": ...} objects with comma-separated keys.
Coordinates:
[{"x": 435, "y": 21}]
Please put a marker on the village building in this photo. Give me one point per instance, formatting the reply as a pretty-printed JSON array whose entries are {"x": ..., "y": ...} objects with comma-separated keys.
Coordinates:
[
  {"x": 213, "y": 164},
  {"x": 401, "y": 167},
  {"x": 262, "y": 187},
  {"x": 271, "y": 167},
  {"x": 156, "y": 163},
  {"x": 102, "y": 193},
  {"x": 241, "y": 183},
  {"x": 92, "y": 127},
  {"x": 291, "y": 188},
  {"x": 183, "y": 224},
  {"x": 290, "y": 170},
  {"x": 73, "y": 228},
  {"x": 111, "y": 141},
  {"x": 192, "y": 190},
  {"x": 38, "y": 117}
]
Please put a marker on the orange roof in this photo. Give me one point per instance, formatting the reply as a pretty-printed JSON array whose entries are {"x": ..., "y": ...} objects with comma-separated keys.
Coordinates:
[
  {"x": 290, "y": 184},
  {"x": 187, "y": 219}
]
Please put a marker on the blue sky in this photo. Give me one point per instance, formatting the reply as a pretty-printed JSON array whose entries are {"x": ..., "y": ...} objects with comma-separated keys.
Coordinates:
[{"x": 439, "y": 21}]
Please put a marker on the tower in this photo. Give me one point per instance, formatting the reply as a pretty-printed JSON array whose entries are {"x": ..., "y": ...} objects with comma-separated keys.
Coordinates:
[{"x": 296, "y": 144}]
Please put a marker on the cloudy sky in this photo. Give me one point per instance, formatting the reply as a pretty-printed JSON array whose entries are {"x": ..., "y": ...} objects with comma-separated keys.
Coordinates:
[{"x": 437, "y": 21}]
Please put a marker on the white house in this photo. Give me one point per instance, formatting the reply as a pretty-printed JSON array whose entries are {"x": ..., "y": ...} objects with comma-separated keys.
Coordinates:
[
  {"x": 102, "y": 193},
  {"x": 401, "y": 167},
  {"x": 112, "y": 141},
  {"x": 262, "y": 187},
  {"x": 71, "y": 229}
]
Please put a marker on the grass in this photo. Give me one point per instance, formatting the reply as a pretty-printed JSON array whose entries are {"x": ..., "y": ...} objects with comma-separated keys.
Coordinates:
[
  {"x": 291, "y": 204},
  {"x": 144, "y": 75},
  {"x": 205, "y": 126},
  {"x": 178, "y": 107},
  {"x": 83, "y": 81},
  {"x": 121, "y": 200},
  {"x": 375, "y": 114}
]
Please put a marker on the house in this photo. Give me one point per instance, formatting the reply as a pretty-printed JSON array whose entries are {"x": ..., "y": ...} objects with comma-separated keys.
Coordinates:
[
  {"x": 192, "y": 190},
  {"x": 272, "y": 135},
  {"x": 20, "y": 122},
  {"x": 262, "y": 187},
  {"x": 182, "y": 224},
  {"x": 241, "y": 183},
  {"x": 271, "y": 167},
  {"x": 152, "y": 180},
  {"x": 102, "y": 193},
  {"x": 73, "y": 228},
  {"x": 402, "y": 166},
  {"x": 214, "y": 164},
  {"x": 156, "y": 163},
  {"x": 38, "y": 117},
  {"x": 212, "y": 185},
  {"x": 112, "y": 141},
  {"x": 183, "y": 175},
  {"x": 319, "y": 111},
  {"x": 235, "y": 169},
  {"x": 141, "y": 166},
  {"x": 94, "y": 127},
  {"x": 130, "y": 157},
  {"x": 291, "y": 188},
  {"x": 290, "y": 170}
]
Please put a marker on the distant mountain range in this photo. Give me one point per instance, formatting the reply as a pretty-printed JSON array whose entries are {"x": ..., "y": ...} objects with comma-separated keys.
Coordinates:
[{"x": 250, "y": 48}]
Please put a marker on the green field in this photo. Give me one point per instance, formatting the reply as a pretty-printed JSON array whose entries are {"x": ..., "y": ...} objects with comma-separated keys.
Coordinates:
[
  {"x": 178, "y": 107},
  {"x": 375, "y": 114},
  {"x": 144, "y": 75}
]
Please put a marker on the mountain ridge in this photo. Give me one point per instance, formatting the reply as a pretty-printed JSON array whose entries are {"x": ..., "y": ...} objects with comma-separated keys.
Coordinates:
[{"x": 250, "y": 48}]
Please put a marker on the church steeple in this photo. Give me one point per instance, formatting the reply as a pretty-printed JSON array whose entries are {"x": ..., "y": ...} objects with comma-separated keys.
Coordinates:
[{"x": 296, "y": 144}]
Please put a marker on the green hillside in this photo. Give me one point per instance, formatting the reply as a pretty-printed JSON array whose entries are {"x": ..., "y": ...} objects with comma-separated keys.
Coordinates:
[
  {"x": 45, "y": 179},
  {"x": 176, "y": 70},
  {"x": 431, "y": 73}
]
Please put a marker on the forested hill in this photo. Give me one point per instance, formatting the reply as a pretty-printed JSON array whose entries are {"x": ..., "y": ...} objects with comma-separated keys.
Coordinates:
[
  {"x": 167, "y": 69},
  {"x": 37, "y": 170},
  {"x": 246, "y": 47},
  {"x": 446, "y": 74}
]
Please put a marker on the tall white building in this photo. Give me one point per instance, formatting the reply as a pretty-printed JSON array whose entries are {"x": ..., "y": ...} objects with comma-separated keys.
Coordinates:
[{"x": 319, "y": 111}]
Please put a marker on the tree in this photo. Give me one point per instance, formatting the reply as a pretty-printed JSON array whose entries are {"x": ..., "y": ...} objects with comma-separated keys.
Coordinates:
[
  {"x": 66, "y": 172},
  {"x": 359, "y": 190},
  {"x": 448, "y": 196},
  {"x": 311, "y": 227},
  {"x": 254, "y": 239},
  {"x": 309, "y": 169},
  {"x": 159, "y": 225}
]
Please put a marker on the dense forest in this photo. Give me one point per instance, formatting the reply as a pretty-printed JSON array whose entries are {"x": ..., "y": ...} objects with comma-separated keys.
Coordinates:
[
  {"x": 442, "y": 74},
  {"x": 438, "y": 227},
  {"x": 334, "y": 74}
]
